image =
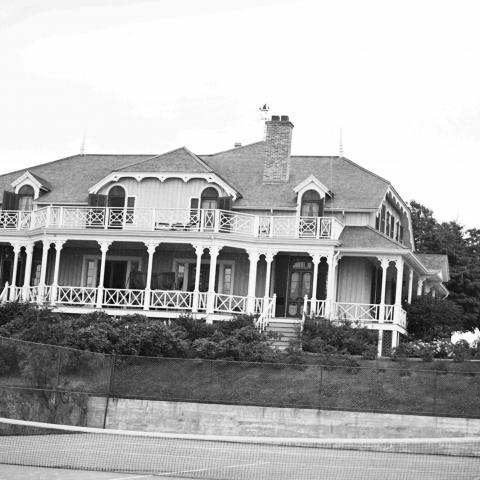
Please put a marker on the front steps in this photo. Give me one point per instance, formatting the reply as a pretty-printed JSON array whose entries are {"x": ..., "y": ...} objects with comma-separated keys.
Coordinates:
[{"x": 285, "y": 330}]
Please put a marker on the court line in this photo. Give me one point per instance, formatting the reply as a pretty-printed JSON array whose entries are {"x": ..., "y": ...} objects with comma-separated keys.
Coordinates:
[{"x": 212, "y": 469}]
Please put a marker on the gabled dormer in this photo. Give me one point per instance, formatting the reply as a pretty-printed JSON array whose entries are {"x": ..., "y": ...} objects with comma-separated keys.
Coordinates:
[
  {"x": 311, "y": 195},
  {"x": 27, "y": 188}
]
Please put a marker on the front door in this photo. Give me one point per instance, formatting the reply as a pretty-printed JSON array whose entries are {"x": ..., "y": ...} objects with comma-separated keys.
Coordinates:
[
  {"x": 115, "y": 274},
  {"x": 299, "y": 285}
]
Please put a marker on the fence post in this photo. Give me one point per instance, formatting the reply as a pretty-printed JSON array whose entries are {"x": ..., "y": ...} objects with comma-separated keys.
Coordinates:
[
  {"x": 435, "y": 388},
  {"x": 320, "y": 388},
  {"x": 111, "y": 385},
  {"x": 59, "y": 361}
]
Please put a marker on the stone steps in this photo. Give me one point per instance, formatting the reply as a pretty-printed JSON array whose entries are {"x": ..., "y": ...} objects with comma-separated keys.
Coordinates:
[{"x": 286, "y": 329}]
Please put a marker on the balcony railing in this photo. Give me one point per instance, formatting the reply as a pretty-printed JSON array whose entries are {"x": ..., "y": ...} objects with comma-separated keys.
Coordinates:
[{"x": 175, "y": 220}]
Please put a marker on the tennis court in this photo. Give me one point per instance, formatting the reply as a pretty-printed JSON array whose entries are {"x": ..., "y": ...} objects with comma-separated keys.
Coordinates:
[{"x": 87, "y": 454}]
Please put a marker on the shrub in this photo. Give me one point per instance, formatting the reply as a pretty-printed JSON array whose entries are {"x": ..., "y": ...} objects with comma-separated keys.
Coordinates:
[
  {"x": 461, "y": 351},
  {"x": 432, "y": 318},
  {"x": 322, "y": 336},
  {"x": 8, "y": 359}
]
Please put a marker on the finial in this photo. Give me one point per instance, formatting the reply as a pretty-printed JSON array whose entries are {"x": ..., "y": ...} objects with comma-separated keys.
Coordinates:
[
  {"x": 84, "y": 142},
  {"x": 340, "y": 146}
]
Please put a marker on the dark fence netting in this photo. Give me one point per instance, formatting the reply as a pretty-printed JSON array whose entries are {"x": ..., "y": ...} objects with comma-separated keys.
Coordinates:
[{"x": 408, "y": 388}]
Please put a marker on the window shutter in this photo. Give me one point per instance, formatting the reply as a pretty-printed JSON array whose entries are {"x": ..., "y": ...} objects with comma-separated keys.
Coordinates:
[
  {"x": 225, "y": 203},
  {"x": 131, "y": 202},
  {"x": 10, "y": 201},
  {"x": 93, "y": 200},
  {"x": 321, "y": 207},
  {"x": 194, "y": 202}
]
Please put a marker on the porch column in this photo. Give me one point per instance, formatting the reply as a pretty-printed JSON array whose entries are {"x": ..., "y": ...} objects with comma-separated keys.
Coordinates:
[
  {"x": 16, "y": 251},
  {"x": 399, "y": 289},
  {"x": 28, "y": 270},
  {"x": 58, "y": 250},
  {"x": 253, "y": 256},
  {"x": 316, "y": 257},
  {"x": 214, "y": 251},
  {"x": 196, "y": 291},
  {"x": 332, "y": 262},
  {"x": 269, "y": 259},
  {"x": 43, "y": 270},
  {"x": 151, "y": 247},
  {"x": 395, "y": 339},
  {"x": 410, "y": 285},
  {"x": 385, "y": 262},
  {"x": 420, "y": 283},
  {"x": 104, "y": 244}
]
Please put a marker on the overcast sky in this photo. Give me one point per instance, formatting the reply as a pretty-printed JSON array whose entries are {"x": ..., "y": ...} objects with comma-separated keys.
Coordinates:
[{"x": 402, "y": 79}]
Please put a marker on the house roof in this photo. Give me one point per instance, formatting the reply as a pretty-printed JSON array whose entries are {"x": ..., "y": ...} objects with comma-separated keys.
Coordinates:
[
  {"x": 44, "y": 183},
  {"x": 437, "y": 262},
  {"x": 71, "y": 177},
  {"x": 353, "y": 187},
  {"x": 366, "y": 237},
  {"x": 179, "y": 160}
]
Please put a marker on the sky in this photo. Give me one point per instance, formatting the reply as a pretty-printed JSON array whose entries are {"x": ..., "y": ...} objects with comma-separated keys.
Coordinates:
[{"x": 400, "y": 79}]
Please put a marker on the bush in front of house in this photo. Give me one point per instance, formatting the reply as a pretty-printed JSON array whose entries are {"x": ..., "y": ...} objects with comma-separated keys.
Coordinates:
[
  {"x": 431, "y": 319},
  {"x": 436, "y": 349},
  {"x": 323, "y": 336}
]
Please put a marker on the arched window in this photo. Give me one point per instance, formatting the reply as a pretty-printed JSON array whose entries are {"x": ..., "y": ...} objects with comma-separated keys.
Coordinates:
[
  {"x": 209, "y": 198},
  {"x": 26, "y": 195},
  {"x": 312, "y": 204},
  {"x": 116, "y": 197}
]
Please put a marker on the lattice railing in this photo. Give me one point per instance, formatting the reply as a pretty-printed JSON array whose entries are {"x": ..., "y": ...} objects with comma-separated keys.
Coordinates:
[
  {"x": 198, "y": 220},
  {"x": 230, "y": 303},
  {"x": 171, "y": 299},
  {"x": 354, "y": 312},
  {"x": 76, "y": 295},
  {"x": 119, "y": 297},
  {"x": 14, "y": 219},
  {"x": 317, "y": 308},
  {"x": 202, "y": 301},
  {"x": 259, "y": 305},
  {"x": 231, "y": 222},
  {"x": 15, "y": 294}
]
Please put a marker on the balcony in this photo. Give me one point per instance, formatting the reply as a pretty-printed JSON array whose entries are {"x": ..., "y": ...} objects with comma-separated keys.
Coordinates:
[{"x": 171, "y": 220}]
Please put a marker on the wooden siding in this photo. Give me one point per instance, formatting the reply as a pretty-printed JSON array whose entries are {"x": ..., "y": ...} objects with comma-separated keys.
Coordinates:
[
  {"x": 172, "y": 193},
  {"x": 354, "y": 280},
  {"x": 354, "y": 218}
]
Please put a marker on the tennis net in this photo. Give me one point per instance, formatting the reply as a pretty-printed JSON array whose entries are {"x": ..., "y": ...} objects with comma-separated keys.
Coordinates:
[{"x": 171, "y": 455}]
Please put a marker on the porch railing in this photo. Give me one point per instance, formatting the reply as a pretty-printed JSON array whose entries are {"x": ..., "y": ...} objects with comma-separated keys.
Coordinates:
[
  {"x": 267, "y": 314},
  {"x": 171, "y": 300},
  {"x": 76, "y": 296},
  {"x": 356, "y": 312},
  {"x": 177, "y": 220},
  {"x": 125, "y": 298}
]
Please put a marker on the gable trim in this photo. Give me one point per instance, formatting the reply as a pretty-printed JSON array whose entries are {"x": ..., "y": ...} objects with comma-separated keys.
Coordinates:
[{"x": 139, "y": 176}]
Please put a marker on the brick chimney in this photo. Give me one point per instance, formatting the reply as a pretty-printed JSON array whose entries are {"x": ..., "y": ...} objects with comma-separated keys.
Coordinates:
[{"x": 276, "y": 167}]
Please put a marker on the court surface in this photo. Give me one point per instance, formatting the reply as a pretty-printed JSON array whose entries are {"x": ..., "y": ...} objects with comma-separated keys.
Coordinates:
[{"x": 207, "y": 460}]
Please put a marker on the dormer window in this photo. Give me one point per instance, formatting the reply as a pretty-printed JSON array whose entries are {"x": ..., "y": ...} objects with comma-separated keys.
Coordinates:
[
  {"x": 209, "y": 198},
  {"x": 312, "y": 204},
  {"x": 26, "y": 194}
]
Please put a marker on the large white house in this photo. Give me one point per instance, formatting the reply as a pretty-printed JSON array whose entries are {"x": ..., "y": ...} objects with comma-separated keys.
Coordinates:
[{"x": 248, "y": 230}]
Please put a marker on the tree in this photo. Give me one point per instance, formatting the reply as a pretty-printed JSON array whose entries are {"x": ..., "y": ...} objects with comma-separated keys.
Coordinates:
[{"x": 463, "y": 251}]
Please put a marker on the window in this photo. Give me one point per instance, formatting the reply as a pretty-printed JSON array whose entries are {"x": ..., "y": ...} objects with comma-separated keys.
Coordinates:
[
  {"x": 91, "y": 275},
  {"x": 397, "y": 232},
  {"x": 25, "y": 197},
  {"x": 227, "y": 279},
  {"x": 37, "y": 268},
  {"x": 382, "y": 219},
  {"x": 180, "y": 276},
  {"x": 209, "y": 198},
  {"x": 116, "y": 197},
  {"x": 387, "y": 232},
  {"x": 312, "y": 204},
  {"x": 392, "y": 226}
]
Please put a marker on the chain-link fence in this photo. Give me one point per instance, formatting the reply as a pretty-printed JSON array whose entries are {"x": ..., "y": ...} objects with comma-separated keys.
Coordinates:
[{"x": 447, "y": 388}]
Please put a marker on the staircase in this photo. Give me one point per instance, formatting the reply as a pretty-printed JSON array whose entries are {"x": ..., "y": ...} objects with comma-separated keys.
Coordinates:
[{"x": 286, "y": 329}]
